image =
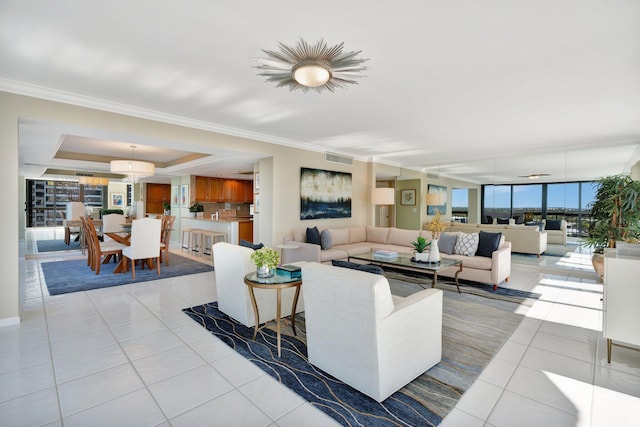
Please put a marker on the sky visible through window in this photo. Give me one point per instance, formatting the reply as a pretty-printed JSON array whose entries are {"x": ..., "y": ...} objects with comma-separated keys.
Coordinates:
[{"x": 560, "y": 196}]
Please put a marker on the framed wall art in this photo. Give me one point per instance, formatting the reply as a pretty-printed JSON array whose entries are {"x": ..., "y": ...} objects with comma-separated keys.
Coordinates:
[
  {"x": 117, "y": 199},
  {"x": 408, "y": 197},
  {"x": 175, "y": 198},
  {"x": 324, "y": 194},
  {"x": 184, "y": 195},
  {"x": 432, "y": 210}
]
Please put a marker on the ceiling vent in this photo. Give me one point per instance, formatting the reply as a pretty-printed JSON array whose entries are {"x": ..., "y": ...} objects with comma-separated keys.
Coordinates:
[
  {"x": 433, "y": 175},
  {"x": 336, "y": 158}
]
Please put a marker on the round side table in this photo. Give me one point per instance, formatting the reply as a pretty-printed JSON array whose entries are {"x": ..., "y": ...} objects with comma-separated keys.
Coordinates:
[{"x": 278, "y": 283}]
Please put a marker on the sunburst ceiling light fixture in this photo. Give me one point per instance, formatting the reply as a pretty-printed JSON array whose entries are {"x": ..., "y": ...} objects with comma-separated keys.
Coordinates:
[
  {"x": 316, "y": 67},
  {"x": 134, "y": 169}
]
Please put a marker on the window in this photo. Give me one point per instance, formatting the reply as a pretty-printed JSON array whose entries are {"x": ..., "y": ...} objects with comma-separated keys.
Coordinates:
[{"x": 460, "y": 204}]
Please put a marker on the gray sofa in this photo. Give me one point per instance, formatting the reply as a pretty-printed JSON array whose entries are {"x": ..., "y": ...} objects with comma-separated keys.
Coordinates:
[{"x": 358, "y": 240}]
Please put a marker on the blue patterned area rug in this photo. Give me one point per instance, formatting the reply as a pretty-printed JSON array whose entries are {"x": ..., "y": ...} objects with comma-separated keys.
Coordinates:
[
  {"x": 474, "y": 328},
  {"x": 62, "y": 277}
]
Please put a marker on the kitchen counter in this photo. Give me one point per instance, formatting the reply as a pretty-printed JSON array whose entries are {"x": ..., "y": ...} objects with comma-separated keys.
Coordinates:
[{"x": 228, "y": 225}]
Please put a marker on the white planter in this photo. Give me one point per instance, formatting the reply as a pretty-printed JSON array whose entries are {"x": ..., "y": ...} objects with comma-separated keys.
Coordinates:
[
  {"x": 191, "y": 214},
  {"x": 422, "y": 257}
]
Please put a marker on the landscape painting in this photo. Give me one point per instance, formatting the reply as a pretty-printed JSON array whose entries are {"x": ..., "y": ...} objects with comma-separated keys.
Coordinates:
[{"x": 324, "y": 194}]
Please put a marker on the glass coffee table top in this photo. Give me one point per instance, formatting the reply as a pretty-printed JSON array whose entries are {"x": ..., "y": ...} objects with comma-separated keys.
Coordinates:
[{"x": 404, "y": 260}]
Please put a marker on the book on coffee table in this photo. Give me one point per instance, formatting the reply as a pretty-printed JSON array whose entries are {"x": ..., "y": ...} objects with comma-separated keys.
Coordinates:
[{"x": 385, "y": 254}]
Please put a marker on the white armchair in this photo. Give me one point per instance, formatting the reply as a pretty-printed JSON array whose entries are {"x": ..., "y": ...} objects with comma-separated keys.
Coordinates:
[
  {"x": 231, "y": 264},
  {"x": 359, "y": 334}
]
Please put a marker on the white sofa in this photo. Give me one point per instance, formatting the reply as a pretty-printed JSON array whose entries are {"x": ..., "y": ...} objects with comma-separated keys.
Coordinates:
[
  {"x": 232, "y": 263},
  {"x": 523, "y": 238},
  {"x": 357, "y": 332},
  {"x": 358, "y": 240}
]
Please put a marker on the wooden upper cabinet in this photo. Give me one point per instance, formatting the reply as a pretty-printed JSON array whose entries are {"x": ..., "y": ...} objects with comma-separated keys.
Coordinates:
[
  {"x": 223, "y": 190},
  {"x": 202, "y": 192}
]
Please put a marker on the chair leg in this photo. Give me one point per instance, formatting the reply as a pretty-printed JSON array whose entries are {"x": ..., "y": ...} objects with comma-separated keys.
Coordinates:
[
  {"x": 158, "y": 264},
  {"x": 97, "y": 264},
  {"x": 133, "y": 269}
]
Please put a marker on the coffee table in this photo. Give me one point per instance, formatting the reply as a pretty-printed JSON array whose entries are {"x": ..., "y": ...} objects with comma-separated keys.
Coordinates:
[
  {"x": 276, "y": 282},
  {"x": 403, "y": 262}
]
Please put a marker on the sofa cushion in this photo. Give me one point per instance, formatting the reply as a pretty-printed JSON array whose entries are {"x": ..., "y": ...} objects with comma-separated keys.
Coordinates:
[
  {"x": 447, "y": 242},
  {"x": 467, "y": 244},
  {"x": 369, "y": 268},
  {"x": 325, "y": 240},
  {"x": 377, "y": 234},
  {"x": 357, "y": 234},
  {"x": 538, "y": 225},
  {"x": 401, "y": 237},
  {"x": 248, "y": 244},
  {"x": 553, "y": 224},
  {"x": 313, "y": 236},
  {"x": 333, "y": 253},
  {"x": 488, "y": 243},
  {"x": 339, "y": 236}
]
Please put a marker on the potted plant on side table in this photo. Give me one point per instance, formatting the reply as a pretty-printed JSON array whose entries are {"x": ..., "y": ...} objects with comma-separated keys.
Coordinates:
[
  {"x": 615, "y": 216},
  {"x": 266, "y": 260}
]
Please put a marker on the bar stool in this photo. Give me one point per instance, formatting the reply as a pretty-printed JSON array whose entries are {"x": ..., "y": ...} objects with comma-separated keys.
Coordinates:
[
  {"x": 210, "y": 238},
  {"x": 195, "y": 243},
  {"x": 186, "y": 239}
]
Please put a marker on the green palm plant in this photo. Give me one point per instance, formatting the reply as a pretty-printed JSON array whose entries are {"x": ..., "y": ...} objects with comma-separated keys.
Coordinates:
[{"x": 615, "y": 212}]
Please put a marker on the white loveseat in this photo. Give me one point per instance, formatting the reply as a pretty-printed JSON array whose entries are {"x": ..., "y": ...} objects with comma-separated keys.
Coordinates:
[
  {"x": 349, "y": 241},
  {"x": 232, "y": 263},
  {"x": 358, "y": 332}
]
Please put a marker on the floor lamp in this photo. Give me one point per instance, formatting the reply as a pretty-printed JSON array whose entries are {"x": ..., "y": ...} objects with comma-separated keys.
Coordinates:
[{"x": 383, "y": 196}]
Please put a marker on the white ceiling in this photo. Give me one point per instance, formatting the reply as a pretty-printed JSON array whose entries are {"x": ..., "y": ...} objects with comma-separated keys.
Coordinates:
[{"x": 485, "y": 91}]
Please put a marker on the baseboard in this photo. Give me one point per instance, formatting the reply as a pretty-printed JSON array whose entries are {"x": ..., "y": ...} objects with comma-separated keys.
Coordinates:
[{"x": 9, "y": 321}]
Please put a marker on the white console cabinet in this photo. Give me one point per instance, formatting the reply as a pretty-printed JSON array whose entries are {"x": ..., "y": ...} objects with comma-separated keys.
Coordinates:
[{"x": 621, "y": 309}]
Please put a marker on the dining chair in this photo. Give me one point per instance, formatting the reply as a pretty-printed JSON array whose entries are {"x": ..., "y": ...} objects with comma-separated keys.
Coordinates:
[
  {"x": 167, "y": 227},
  {"x": 145, "y": 244},
  {"x": 100, "y": 252},
  {"x": 112, "y": 223}
]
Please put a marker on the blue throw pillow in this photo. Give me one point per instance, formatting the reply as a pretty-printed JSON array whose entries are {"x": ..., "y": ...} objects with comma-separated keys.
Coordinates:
[
  {"x": 248, "y": 244},
  {"x": 447, "y": 243},
  {"x": 325, "y": 239},
  {"x": 368, "y": 268},
  {"x": 488, "y": 243},
  {"x": 313, "y": 236},
  {"x": 553, "y": 224}
]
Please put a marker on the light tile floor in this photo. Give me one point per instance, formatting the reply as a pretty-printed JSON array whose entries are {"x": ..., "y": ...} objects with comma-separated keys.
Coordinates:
[{"x": 128, "y": 356}]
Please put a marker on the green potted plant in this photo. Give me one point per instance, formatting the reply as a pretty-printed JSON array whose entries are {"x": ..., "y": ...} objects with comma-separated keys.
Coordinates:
[
  {"x": 615, "y": 216},
  {"x": 166, "y": 207},
  {"x": 419, "y": 247},
  {"x": 266, "y": 260},
  {"x": 196, "y": 209}
]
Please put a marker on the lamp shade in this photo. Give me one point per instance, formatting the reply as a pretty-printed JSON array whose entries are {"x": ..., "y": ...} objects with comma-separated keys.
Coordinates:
[
  {"x": 93, "y": 180},
  {"x": 133, "y": 168},
  {"x": 435, "y": 199},
  {"x": 383, "y": 196}
]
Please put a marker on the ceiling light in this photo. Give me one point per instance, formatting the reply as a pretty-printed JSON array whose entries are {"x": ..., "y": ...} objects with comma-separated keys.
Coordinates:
[
  {"x": 534, "y": 175},
  {"x": 94, "y": 181},
  {"x": 134, "y": 169},
  {"x": 315, "y": 67}
]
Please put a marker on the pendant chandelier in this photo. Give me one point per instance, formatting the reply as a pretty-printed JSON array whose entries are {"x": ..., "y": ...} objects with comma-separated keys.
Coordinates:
[{"x": 134, "y": 169}]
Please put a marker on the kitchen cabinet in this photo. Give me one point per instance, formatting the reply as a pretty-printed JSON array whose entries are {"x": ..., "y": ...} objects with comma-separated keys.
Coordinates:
[
  {"x": 621, "y": 316},
  {"x": 156, "y": 195},
  {"x": 223, "y": 190},
  {"x": 245, "y": 230}
]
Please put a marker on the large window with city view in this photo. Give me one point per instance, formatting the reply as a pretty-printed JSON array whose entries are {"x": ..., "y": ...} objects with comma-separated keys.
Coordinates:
[{"x": 533, "y": 202}]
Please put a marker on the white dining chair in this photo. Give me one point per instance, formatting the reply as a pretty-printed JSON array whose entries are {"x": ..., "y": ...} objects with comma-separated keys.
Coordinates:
[
  {"x": 145, "y": 244},
  {"x": 112, "y": 223}
]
